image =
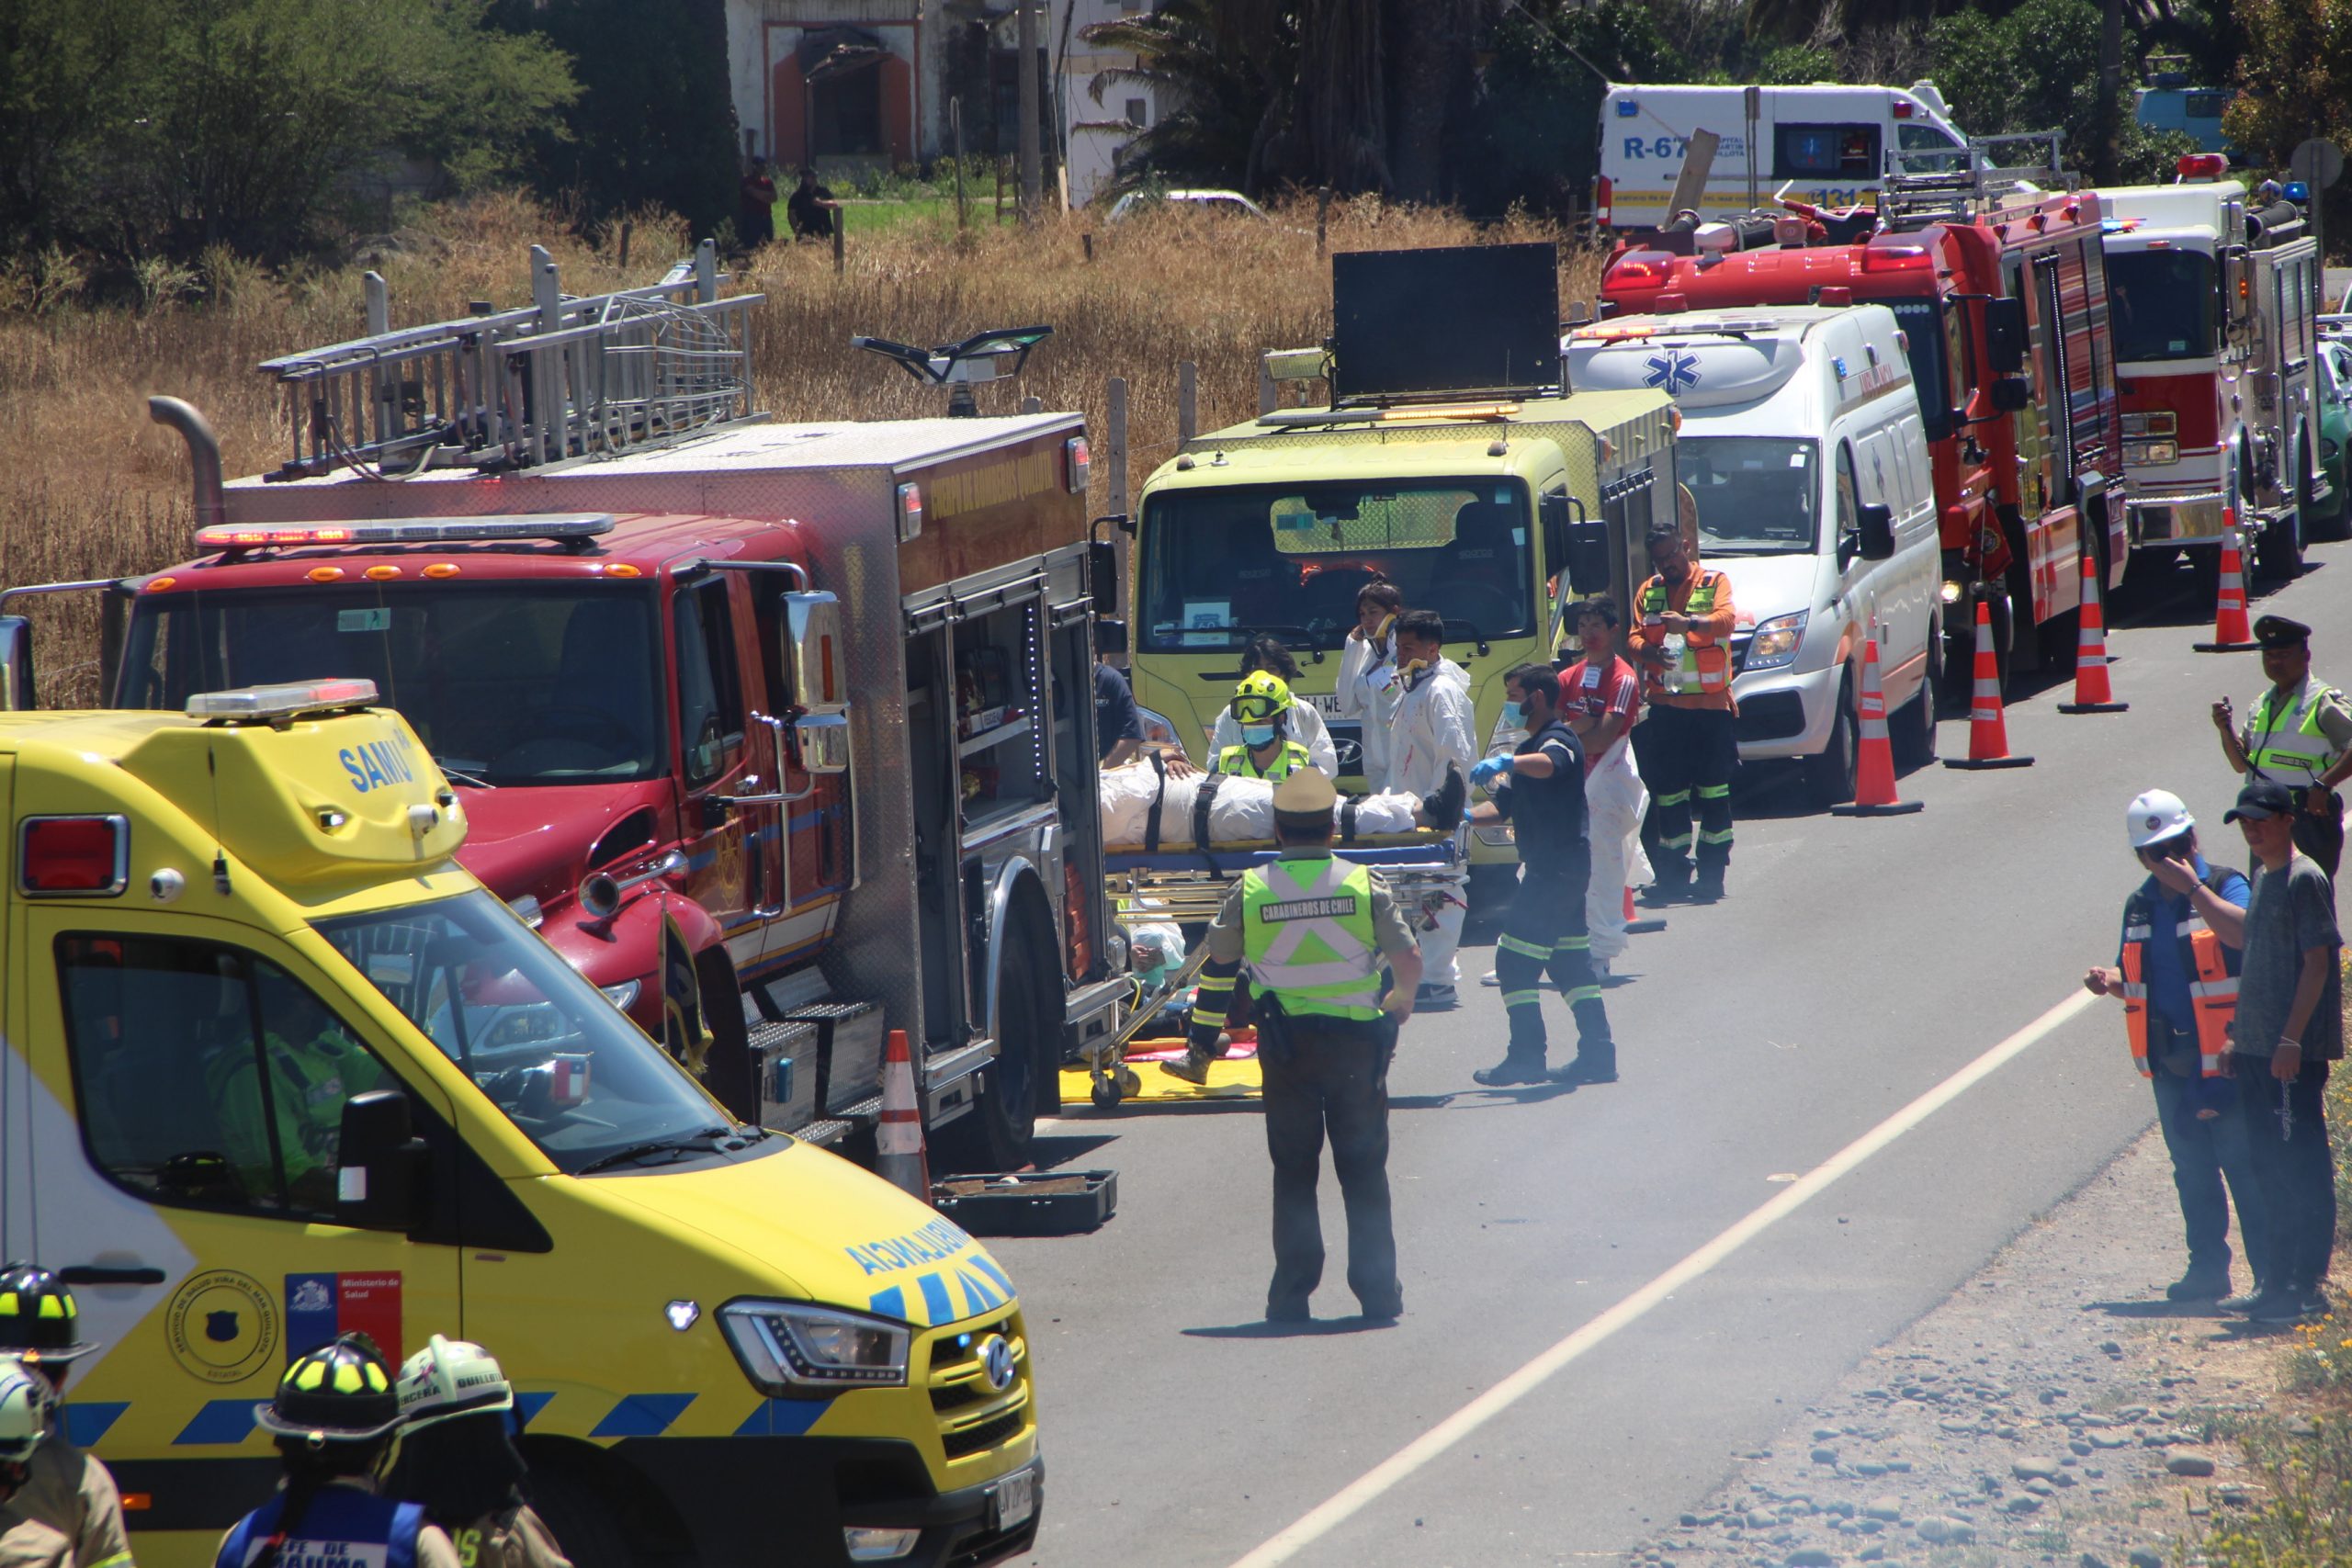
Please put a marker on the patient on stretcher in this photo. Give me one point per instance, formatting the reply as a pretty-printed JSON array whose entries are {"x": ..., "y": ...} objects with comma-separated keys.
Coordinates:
[{"x": 1143, "y": 805}]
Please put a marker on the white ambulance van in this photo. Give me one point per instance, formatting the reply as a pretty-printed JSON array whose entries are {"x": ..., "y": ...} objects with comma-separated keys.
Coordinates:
[
  {"x": 1803, "y": 456},
  {"x": 1831, "y": 145}
]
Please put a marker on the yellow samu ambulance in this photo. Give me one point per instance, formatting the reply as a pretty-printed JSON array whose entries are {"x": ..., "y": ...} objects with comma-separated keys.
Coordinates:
[{"x": 276, "y": 1067}]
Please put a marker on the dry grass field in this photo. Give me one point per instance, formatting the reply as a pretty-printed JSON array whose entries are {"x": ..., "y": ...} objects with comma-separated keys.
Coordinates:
[{"x": 89, "y": 489}]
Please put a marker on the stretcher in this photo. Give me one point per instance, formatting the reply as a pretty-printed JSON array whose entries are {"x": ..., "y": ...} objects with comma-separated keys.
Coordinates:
[{"x": 1421, "y": 871}]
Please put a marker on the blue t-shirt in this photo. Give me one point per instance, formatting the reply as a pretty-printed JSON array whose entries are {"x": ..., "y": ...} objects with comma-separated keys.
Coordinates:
[
  {"x": 2167, "y": 980},
  {"x": 1117, "y": 718}
]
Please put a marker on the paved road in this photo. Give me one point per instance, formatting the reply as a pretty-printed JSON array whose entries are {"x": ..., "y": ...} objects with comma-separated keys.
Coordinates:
[{"x": 1856, "y": 965}]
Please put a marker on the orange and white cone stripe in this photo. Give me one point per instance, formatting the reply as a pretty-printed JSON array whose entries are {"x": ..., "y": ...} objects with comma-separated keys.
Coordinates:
[
  {"x": 1988, "y": 734},
  {"x": 2093, "y": 692},
  {"x": 2231, "y": 632},
  {"x": 899, "y": 1156},
  {"x": 1875, "y": 764}
]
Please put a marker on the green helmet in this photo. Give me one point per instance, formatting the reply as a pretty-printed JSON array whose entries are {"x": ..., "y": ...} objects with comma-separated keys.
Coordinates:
[
  {"x": 38, "y": 1319},
  {"x": 24, "y": 1411},
  {"x": 340, "y": 1392},
  {"x": 450, "y": 1378}
]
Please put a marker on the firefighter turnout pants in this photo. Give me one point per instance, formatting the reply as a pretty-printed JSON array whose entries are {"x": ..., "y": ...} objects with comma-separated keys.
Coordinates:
[
  {"x": 1687, "y": 758},
  {"x": 1545, "y": 930}
]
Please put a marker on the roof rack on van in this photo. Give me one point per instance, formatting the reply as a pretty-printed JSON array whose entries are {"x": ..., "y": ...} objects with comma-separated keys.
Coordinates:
[
  {"x": 1955, "y": 185},
  {"x": 563, "y": 379}
]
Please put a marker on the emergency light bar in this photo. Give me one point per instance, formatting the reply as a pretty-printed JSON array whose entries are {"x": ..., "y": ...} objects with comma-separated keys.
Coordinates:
[
  {"x": 555, "y": 525},
  {"x": 283, "y": 702}
]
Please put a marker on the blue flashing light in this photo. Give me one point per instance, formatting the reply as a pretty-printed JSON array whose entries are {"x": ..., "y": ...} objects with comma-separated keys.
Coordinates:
[{"x": 2299, "y": 193}]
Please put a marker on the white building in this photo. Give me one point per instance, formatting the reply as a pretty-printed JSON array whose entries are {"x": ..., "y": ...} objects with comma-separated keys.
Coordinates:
[{"x": 848, "y": 85}]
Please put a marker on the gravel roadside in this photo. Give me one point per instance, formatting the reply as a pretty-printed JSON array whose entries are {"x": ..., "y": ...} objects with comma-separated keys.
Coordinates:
[{"x": 2051, "y": 1411}]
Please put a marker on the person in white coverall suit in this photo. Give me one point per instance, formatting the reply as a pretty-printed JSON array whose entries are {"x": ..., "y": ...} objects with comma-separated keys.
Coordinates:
[
  {"x": 1430, "y": 735},
  {"x": 1368, "y": 687},
  {"x": 1600, "y": 700}
]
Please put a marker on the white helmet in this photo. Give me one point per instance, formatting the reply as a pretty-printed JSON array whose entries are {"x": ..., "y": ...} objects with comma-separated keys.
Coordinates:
[
  {"x": 2156, "y": 814},
  {"x": 24, "y": 1411},
  {"x": 450, "y": 1378}
]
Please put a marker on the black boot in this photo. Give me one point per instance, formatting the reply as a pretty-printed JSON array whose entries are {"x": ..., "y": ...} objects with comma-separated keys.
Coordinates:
[
  {"x": 2203, "y": 1282},
  {"x": 1443, "y": 805},
  {"x": 1596, "y": 1062},
  {"x": 1193, "y": 1068},
  {"x": 1708, "y": 887},
  {"x": 1516, "y": 1067}
]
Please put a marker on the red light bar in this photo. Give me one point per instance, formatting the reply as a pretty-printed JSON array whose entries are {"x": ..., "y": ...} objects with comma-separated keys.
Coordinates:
[
  {"x": 2203, "y": 165},
  {"x": 1638, "y": 269},
  {"x": 74, "y": 857},
  {"x": 1879, "y": 257},
  {"x": 1833, "y": 294},
  {"x": 408, "y": 531},
  {"x": 1082, "y": 463},
  {"x": 909, "y": 510},
  {"x": 1902, "y": 108},
  {"x": 1670, "y": 302}
]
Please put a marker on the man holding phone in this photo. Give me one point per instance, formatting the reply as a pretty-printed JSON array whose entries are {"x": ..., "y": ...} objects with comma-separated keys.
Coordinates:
[{"x": 2299, "y": 733}]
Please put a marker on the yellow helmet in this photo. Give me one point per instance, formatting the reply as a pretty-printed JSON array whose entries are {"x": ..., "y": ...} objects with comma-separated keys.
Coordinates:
[{"x": 1259, "y": 697}]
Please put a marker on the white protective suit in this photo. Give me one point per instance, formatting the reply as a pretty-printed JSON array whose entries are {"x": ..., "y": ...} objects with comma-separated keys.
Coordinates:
[
  {"x": 1242, "y": 812},
  {"x": 1368, "y": 691},
  {"x": 1615, "y": 802},
  {"x": 1433, "y": 730},
  {"x": 1307, "y": 728}
]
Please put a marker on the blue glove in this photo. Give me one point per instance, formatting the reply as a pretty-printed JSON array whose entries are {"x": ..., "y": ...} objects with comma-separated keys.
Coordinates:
[{"x": 1484, "y": 773}]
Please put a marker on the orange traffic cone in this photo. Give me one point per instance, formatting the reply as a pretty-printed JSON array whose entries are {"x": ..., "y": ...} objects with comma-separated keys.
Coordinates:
[
  {"x": 898, "y": 1153},
  {"x": 2092, "y": 692},
  {"x": 2231, "y": 633},
  {"x": 1639, "y": 923},
  {"x": 1988, "y": 736},
  {"x": 1875, "y": 768}
]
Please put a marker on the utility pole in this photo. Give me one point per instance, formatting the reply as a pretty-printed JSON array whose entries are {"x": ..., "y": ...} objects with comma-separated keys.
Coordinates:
[
  {"x": 2110, "y": 89},
  {"x": 1032, "y": 175}
]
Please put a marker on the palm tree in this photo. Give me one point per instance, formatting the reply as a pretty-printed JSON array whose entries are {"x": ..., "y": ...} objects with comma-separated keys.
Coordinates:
[{"x": 1222, "y": 72}]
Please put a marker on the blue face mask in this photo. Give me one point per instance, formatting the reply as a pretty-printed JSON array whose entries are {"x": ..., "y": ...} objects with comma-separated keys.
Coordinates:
[
  {"x": 1515, "y": 716},
  {"x": 1258, "y": 734}
]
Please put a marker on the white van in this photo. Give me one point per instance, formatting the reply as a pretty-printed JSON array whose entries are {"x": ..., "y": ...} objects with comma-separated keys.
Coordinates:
[
  {"x": 1831, "y": 145},
  {"x": 1803, "y": 453}
]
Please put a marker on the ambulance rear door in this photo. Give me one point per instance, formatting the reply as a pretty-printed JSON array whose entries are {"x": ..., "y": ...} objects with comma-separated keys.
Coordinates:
[{"x": 188, "y": 1080}]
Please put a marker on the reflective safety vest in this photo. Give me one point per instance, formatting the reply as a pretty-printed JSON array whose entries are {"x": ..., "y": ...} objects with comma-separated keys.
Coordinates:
[
  {"x": 1706, "y": 661},
  {"x": 1307, "y": 936},
  {"x": 2287, "y": 741},
  {"x": 1237, "y": 760},
  {"x": 342, "y": 1527},
  {"x": 2212, "y": 987}
]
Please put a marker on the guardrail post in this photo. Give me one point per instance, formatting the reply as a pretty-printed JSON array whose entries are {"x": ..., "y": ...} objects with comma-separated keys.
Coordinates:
[
  {"x": 1269, "y": 395},
  {"x": 1188, "y": 400},
  {"x": 382, "y": 406},
  {"x": 706, "y": 272},
  {"x": 547, "y": 294}
]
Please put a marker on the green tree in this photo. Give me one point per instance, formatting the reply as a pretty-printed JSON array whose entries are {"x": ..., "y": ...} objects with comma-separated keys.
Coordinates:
[
  {"x": 1534, "y": 136},
  {"x": 1223, "y": 72},
  {"x": 2035, "y": 69},
  {"x": 655, "y": 120},
  {"x": 67, "y": 83}
]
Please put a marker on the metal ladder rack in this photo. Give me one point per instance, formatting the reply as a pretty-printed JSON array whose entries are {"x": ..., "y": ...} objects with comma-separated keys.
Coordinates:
[
  {"x": 561, "y": 379},
  {"x": 1996, "y": 166}
]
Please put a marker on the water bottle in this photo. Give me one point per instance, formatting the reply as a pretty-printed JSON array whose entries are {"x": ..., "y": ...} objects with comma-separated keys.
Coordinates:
[{"x": 1676, "y": 645}]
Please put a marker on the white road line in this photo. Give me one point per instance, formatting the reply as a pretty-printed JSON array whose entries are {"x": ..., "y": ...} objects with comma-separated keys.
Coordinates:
[{"x": 1400, "y": 1465}]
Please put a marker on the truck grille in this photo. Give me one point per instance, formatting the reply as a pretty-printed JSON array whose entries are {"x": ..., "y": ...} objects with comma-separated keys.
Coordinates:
[{"x": 974, "y": 1417}]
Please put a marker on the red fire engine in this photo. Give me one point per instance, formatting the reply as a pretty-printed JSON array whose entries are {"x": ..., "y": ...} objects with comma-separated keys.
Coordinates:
[{"x": 2004, "y": 310}]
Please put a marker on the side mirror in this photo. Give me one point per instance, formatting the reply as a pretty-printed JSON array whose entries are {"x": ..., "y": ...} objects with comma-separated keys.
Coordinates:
[
  {"x": 814, "y": 655},
  {"x": 2009, "y": 394},
  {"x": 15, "y": 663},
  {"x": 2005, "y": 336},
  {"x": 1556, "y": 515},
  {"x": 379, "y": 1164},
  {"x": 1110, "y": 635},
  {"x": 1588, "y": 556},
  {"x": 1103, "y": 575},
  {"x": 822, "y": 740},
  {"x": 1877, "y": 527}
]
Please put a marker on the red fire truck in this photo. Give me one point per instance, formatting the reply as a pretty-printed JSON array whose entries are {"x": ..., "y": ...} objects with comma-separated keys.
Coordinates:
[
  {"x": 2213, "y": 295},
  {"x": 2003, "y": 312},
  {"x": 783, "y": 735}
]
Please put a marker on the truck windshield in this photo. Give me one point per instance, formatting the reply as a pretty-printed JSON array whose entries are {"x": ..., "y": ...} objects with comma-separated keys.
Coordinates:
[
  {"x": 1220, "y": 564},
  {"x": 507, "y": 682},
  {"x": 1757, "y": 494},
  {"x": 2162, "y": 303},
  {"x": 579, "y": 1080}
]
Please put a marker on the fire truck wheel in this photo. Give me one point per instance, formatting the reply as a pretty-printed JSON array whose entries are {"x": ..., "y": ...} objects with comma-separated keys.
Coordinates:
[
  {"x": 998, "y": 1132},
  {"x": 2279, "y": 554},
  {"x": 1829, "y": 773}
]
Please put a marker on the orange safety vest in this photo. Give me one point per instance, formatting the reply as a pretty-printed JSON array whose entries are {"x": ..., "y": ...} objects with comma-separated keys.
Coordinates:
[
  {"x": 2213, "y": 992},
  {"x": 1705, "y": 656}
]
